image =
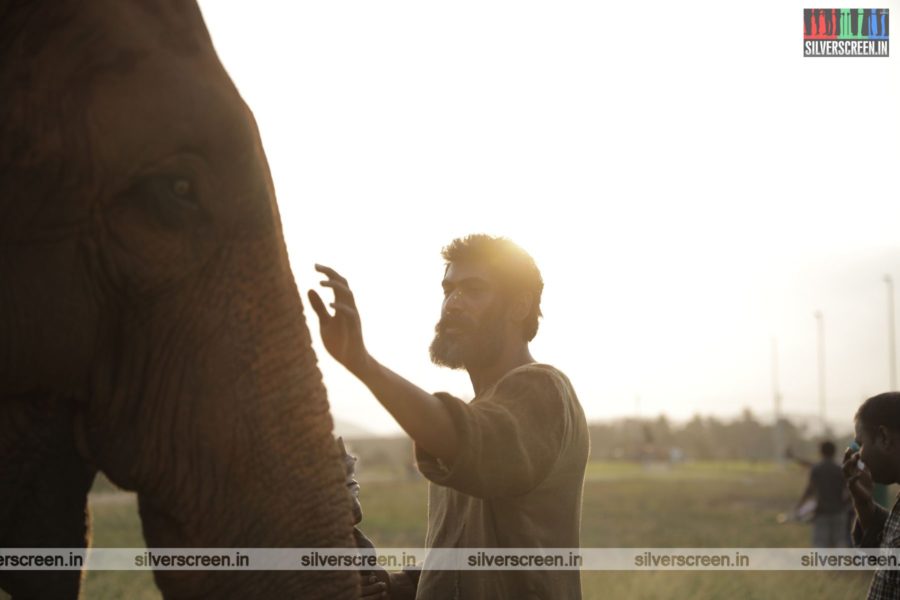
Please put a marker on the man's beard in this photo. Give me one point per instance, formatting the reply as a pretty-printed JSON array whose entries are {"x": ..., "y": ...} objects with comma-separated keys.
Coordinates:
[{"x": 472, "y": 344}]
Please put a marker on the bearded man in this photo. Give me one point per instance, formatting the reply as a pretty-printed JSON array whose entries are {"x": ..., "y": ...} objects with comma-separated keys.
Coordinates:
[{"x": 505, "y": 470}]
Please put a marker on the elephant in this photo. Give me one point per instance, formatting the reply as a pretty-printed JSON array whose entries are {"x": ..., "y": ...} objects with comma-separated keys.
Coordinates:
[{"x": 150, "y": 325}]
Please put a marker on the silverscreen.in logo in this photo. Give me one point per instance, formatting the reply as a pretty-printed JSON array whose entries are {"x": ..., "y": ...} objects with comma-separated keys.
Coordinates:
[{"x": 845, "y": 32}]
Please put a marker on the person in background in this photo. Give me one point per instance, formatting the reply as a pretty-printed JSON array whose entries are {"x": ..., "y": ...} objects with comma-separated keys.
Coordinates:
[
  {"x": 375, "y": 582},
  {"x": 826, "y": 485}
]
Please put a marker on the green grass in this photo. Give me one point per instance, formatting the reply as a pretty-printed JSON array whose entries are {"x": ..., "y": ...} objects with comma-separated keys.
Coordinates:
[
  {"x": 702, "y": 505},
  {"x": 721, "y": 504}
]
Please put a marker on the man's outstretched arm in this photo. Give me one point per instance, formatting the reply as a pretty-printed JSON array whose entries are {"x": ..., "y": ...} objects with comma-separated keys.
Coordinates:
[
  {"x": 421, "y": 415},
  {"x": 808, "y": 493}
]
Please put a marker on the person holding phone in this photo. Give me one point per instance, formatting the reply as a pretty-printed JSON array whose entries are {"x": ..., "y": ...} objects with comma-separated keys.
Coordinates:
[{"x": 875, "y": 458}]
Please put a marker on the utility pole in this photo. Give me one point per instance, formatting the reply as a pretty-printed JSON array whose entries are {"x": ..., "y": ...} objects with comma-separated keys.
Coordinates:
[
  {"x": 892, "y": 342},
  {"x": 776, "y": 397},
  {"x": 820, "y": 330}
]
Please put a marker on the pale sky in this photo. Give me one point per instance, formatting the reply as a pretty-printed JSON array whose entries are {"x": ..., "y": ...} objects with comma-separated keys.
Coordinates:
[{"x": 688, "y": 183}]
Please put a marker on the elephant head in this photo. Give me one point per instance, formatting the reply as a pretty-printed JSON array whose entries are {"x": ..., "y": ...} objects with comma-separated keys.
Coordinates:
[{"x": 150, "y": 326}]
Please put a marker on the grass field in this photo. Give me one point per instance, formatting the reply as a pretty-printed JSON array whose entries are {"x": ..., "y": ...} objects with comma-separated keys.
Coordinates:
[{"x": 625, "y": 505}]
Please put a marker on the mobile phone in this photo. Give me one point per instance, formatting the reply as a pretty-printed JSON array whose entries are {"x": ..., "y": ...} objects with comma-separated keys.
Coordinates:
[{"x": 854, "y": 447}]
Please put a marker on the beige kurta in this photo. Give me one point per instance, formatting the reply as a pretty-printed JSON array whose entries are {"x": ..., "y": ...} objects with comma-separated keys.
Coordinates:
[{"x": 516, "y": 483}]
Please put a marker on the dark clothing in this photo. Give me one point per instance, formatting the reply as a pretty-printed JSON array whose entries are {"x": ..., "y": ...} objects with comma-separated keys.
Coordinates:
[
  {"x": 826, "y": 479},
  {"x": 885, "y": 533},
  {"x": 516, "y": 483}
]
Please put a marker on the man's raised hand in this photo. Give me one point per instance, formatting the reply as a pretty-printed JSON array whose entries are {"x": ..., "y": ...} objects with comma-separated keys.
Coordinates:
[
  {"x": 859, "y": 481},
  {"x": 341, "y": 333}
]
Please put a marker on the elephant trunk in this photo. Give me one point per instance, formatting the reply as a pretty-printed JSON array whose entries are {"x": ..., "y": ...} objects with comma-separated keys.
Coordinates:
[{"x": 243, "y": 455}]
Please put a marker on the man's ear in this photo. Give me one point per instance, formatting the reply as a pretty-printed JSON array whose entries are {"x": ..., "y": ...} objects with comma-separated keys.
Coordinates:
[
  {"x": 887, "y": 438},
  {"x": 521, "y": 306}
]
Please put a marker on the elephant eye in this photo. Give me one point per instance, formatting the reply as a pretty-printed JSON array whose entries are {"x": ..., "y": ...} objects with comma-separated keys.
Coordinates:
[
  {"x": 172, "y": 199},
  {"x": 182, "y": 190}
]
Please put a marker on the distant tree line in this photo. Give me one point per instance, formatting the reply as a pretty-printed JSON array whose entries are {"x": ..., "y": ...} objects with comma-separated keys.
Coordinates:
[
  {"x": 705, "y": 438},
  {"x": 652, "y": 439}
]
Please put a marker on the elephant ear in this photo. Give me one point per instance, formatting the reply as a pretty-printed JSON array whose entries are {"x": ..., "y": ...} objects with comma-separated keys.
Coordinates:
[{"x": 45, "y": 485}]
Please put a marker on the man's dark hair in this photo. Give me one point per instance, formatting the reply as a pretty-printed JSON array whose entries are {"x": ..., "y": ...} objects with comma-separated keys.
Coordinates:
[
  {"x": 827, "y": 449},
  {"x": 883, "y": 409},
  {"x": 514, "y": 268}
]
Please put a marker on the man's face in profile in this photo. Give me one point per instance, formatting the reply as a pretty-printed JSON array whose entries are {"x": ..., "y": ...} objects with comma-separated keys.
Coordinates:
[
  {"x": 471, "y": 330},
  {"x": 872, "y": 452}
]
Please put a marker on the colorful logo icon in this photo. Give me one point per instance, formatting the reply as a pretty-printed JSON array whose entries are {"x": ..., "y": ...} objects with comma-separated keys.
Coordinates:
[{"x": 846, "y": 32}]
